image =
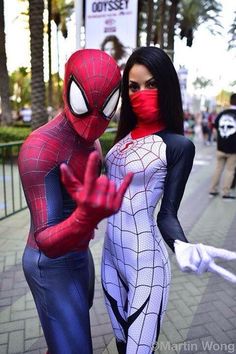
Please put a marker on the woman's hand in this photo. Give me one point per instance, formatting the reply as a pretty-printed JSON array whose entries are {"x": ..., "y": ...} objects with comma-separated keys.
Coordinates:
[{"x": 199, "y": 258}]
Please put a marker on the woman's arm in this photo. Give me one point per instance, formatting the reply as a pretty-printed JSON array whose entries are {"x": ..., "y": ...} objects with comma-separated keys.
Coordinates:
[
  {"x": 197, "y": 258},
  {"x": 180, "y": 153}
]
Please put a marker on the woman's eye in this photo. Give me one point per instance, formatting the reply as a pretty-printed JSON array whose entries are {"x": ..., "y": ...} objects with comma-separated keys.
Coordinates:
[
  {"x": 152, "y": 84},
  {"x": 133, "y": 87}
]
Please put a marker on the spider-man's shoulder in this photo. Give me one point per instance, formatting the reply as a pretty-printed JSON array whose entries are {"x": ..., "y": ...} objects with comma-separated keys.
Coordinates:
[{"x": 51, "y": 143}]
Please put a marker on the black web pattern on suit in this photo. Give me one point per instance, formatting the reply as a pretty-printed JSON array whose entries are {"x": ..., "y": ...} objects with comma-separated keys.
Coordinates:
[{"x": 135, "y": 269}]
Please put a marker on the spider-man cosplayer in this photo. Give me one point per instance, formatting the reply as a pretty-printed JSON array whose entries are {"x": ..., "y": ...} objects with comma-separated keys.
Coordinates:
[{"x": 56, "y": 260}]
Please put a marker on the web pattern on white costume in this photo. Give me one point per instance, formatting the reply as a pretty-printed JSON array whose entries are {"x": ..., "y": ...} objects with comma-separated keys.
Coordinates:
[{"x": 135, "y": 266}]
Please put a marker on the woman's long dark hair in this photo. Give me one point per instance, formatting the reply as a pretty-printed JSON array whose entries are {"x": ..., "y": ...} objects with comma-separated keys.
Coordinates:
[
  {"x": 118, "y": 46},
  {"x": 170, "y": 102}
]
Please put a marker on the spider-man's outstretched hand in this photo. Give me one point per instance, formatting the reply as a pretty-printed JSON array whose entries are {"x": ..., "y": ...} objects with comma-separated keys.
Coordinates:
[{"x": 98, "y": 197}]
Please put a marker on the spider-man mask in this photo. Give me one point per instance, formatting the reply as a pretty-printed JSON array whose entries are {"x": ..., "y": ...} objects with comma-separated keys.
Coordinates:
[{"x": 91, "y": 92}]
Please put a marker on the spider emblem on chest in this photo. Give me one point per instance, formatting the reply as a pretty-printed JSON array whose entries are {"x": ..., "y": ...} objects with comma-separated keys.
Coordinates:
[{"x": 126, "y": 146}]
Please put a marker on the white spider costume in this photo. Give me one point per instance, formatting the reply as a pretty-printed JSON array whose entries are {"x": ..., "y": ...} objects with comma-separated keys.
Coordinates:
[{"x": 135, "y": 266}]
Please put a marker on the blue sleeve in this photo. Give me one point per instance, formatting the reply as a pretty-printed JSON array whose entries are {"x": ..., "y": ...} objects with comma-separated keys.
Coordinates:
[{"x": 180, "y": 153}]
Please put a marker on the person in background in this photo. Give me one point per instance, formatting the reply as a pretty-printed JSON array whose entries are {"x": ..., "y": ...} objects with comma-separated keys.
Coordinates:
[
  {"x": 225, "y": 126},
  {"x": 233, "y": 185},
  {"x": 59, "y": 166},
  {"x": 211, "y": 122},
  {"x": 205, "y": 127},
  {"x": 113, "y": 46},
  {"x": 189, "y": 123},
  {"x": 26, "y": 114},
  {"x": 150, "y": 144}
]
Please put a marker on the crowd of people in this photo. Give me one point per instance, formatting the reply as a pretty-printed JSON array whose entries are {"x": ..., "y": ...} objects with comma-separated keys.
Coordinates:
[{"x": 200, "y": 126}]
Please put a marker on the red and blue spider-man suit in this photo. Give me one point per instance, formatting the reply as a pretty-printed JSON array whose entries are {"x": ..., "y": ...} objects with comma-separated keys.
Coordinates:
[{"x": 56, "y": 260}]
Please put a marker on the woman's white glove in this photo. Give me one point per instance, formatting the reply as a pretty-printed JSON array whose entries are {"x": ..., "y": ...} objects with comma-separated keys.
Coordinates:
[{"x": 199, "y": 258}]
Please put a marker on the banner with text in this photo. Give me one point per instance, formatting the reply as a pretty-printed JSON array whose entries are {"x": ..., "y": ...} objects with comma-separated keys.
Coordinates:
[{"x": 111, "y": 26}]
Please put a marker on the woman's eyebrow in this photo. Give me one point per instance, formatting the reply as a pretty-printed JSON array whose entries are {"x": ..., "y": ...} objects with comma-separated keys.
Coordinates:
[{"x": 151, "y": 79}]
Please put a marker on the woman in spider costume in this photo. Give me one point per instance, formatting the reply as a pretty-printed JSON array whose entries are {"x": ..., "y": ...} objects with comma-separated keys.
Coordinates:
[
  {"x": 56, "y": 258},
  {"x": 149, "y": 143}
]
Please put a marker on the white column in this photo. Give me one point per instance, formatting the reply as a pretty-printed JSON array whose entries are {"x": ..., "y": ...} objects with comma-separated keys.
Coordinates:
[{"x": 78, "y": 21}]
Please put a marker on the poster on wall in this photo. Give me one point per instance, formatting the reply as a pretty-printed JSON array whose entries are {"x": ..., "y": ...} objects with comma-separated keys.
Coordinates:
[{"x": 112, "y": 27}]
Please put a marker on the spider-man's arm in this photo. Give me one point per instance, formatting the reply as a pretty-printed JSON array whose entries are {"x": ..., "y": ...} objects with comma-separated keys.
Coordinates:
[
  {"x": 54, "y": 231},
  {"x": 180, "y": 153}
]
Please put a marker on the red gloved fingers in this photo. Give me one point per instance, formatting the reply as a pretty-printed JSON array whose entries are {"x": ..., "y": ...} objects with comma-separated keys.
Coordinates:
[
  {"x": 121, "y": 191},
  {"x": 91, "y": 173},
  {"x": 111, "y": 193},
  {"x": 71, "y": 182},
  {"x": 98, "y": 196}
]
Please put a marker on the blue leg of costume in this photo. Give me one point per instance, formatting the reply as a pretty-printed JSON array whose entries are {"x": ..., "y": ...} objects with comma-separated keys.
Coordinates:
[{"x": 60, "y": 289}]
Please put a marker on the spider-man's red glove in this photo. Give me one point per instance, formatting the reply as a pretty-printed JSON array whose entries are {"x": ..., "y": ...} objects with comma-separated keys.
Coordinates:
[{"x": 97, "y": 198}]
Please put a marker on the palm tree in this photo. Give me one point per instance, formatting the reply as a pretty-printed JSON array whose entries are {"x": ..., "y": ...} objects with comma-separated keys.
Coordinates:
[
  {"x": 149, "y": 21},
  {"x": 159, "y": 10},
  {"x": 20, "y": 87},
  {"x": 39, "y": 113},
  {"x": 232, "y": 33},
  {"x": 4, "y": 79},
  {"x": 142, "y": 20},
  {"x": 202, "y": 82},
  {"x": 60, "y": 11},
  {"x": 49, "y": 53},
  {"x": 194, "y": 13},
  {"x": 172, "y": 16},
  {"x": 172, "y": 20},
  {"x": 166, "y": 25}
]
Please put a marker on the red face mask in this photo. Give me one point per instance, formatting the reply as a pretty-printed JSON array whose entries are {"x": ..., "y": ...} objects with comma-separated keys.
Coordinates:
[
  {"x": 145, "y": 105},
  {"x": 91, "y": 92}
]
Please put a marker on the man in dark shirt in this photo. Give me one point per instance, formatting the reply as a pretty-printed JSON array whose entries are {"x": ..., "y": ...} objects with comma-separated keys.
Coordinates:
[{"x": 225, "y": 125}]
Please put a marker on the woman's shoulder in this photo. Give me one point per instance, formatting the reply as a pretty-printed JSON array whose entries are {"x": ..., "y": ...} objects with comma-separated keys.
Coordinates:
[
  {"x": 178, "y": 146},
  {"x": 176, "y": 140}
]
